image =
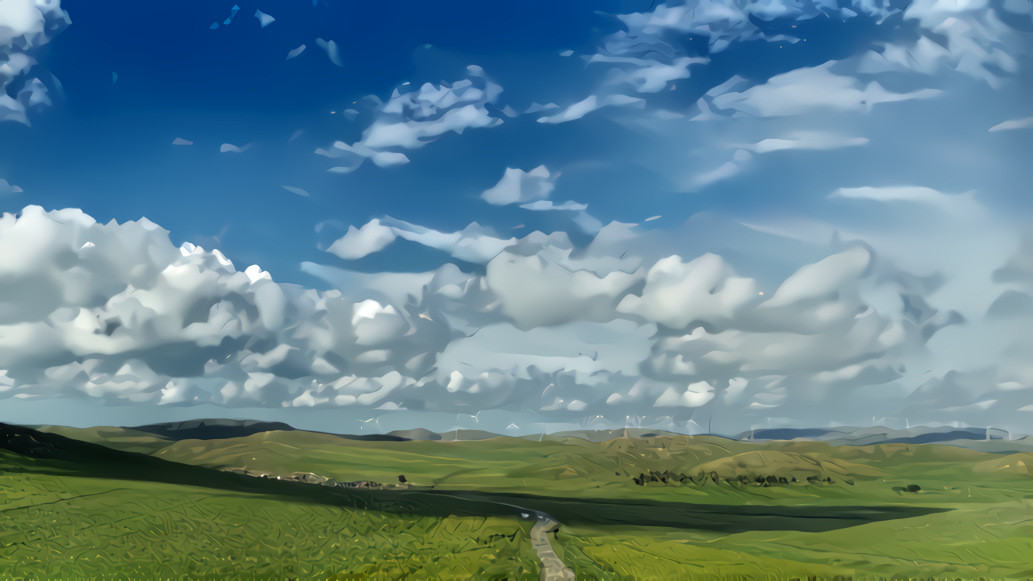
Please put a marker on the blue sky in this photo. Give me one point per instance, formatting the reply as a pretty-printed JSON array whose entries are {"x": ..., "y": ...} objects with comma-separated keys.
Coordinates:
[{"x": 765, "y": 213}]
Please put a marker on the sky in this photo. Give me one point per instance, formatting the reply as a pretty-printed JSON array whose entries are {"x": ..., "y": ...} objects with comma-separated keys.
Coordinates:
[{"x": 700, "y": 216}]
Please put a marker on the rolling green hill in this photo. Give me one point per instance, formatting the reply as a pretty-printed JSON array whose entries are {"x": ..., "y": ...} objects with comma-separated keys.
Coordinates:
[
  {"x": 73, "y": 509},
  {"x": 658, "y": 506}
]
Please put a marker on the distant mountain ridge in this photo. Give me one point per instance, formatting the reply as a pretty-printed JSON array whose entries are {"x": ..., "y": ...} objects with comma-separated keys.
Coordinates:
[
  {"x": 211, "y": 428},
  {"x": 222, "y": 428},
  {"x": 425, "y": 434},
  {"x": 982, "y": 439}
]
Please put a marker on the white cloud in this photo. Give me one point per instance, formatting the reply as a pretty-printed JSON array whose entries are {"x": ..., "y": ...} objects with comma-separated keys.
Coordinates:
[
  {"x": 590, "y": 104},
  {"x": 358, "y": 243},
  {"x": 538, "y": 108},
  {"x": 819, "y": 281},
  {"x": 646, "y": 75},
  {"x": 385, "y": 134},
  {"x": 805, "y": 140},
  {"x": 333, "y": 52},
  {"x": 25, "y": 25},
  {"x": 530, "y": 189},
  {"x": 582, "y": 349},
  {"x": 823, "y": 334},
  {"x": 725, "y": 23},
  {"x": 116, "y": 312},
  {"x": 1013, "y": 124},
  {"x": 804, "y": 90},
  {"x": 296, "y": 191},
  {"x": 474, "y": 243},
  {"x": 411, "y": 118},
  {"x": 703, "y": 290},
  {"x": 695, "y": 395},
  {"x": 542, "y": 290},
  {"x": 550, "y": 206},
  {"x": 517, "y": 186},
  {"x": 230, "y": 148},
  {"x": 7, "y": 188},
  {"x": 976, "y": 42},
  {"x": 959, "y": 204},
  {"x": 724, "y": 171},
  {"x": 181, "y": 141},
  {"x": 263, "y": 18}
]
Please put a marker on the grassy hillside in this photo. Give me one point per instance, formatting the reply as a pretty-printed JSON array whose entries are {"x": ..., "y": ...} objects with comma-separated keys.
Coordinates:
[
  {"x": 125, "y": 439},
  {"x": 664, "y": 507},
  {"x": 977, "y": 542},
  {"x": 662, "y": 468},
  {"x": 985, "y": 528},
  {"x": 73, "y": 510}
]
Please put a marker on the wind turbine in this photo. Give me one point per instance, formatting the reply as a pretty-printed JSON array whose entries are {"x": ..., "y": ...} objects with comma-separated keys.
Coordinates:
[{"x": 375, "y": 421}]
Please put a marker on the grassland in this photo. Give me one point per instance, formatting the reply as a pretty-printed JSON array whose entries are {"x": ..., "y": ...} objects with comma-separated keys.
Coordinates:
[
  {"x": 670, "y": 507},
  {"x": 69, "y": 519}
]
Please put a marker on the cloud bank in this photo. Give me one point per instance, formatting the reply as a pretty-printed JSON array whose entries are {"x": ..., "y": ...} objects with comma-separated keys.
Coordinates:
[
  {"x": 26, "y": 25},
  {"x": 550, "y": 329}
]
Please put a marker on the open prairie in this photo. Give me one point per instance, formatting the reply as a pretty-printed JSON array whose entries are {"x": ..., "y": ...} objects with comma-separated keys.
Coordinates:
[{"x": 650, "y": 506}]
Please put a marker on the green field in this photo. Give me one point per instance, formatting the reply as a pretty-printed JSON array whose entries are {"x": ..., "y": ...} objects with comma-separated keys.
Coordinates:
[
  {"x": 670, "y": 507},
  {"x": 88, "y": 515}
]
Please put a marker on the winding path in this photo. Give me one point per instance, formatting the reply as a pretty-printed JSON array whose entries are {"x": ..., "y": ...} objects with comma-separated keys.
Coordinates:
[{"x": 553, "y": 568}]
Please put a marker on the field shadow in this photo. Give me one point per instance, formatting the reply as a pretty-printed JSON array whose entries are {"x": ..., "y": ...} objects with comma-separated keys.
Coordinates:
[{"x": 625, "y": 512}]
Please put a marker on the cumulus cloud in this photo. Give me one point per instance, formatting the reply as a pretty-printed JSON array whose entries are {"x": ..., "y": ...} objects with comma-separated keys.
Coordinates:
[
  {"x": 474, "y": 243},
  {"x": 646, "y": 75},
  {"x": 1019, "y": 267},
  {"x": 549, "y": 288},
  {"x": 994, "y": 390},
  {"x": 777, "y": 353},
  {"x": 726, "y": 23},
  {"x": 361, "y": 242},
  {"x": 947, "y": 45},
  {"x": 115, "y": 311},
  {"x": 518, "y": 186},
  {"x": 411, "y": 118},
  {"x": 598, "y": 350},
  {"x": 970, "y": 38},
  {"x": 531, "y": 189},
  {"x": 25, "y": 25},
  {"x": 569, "y": 332},
  {"x": 677, "y": 293}
]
